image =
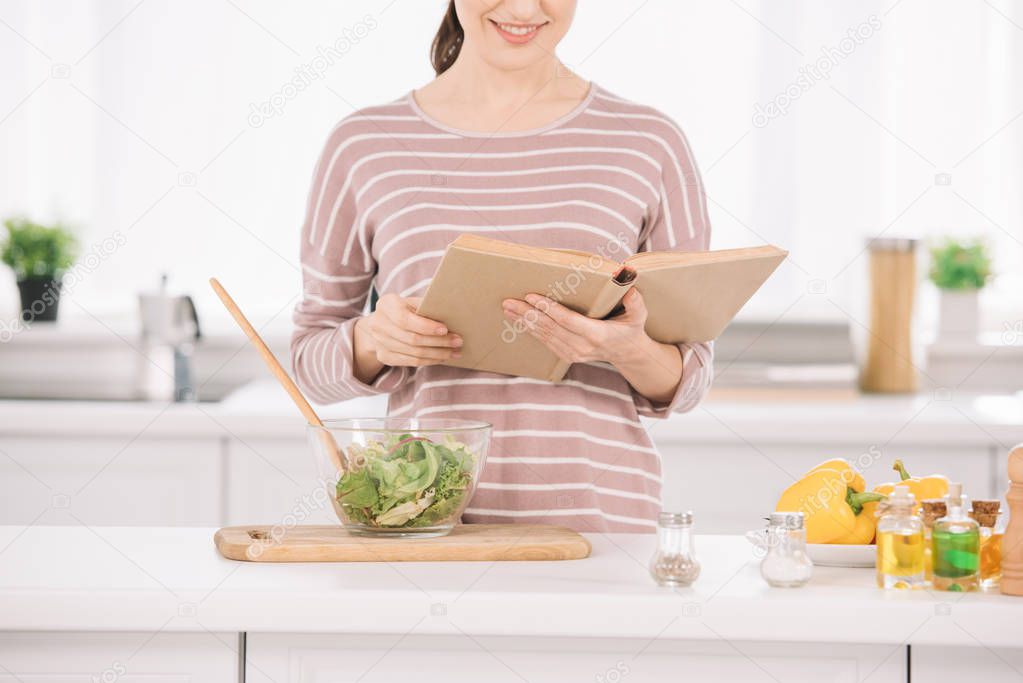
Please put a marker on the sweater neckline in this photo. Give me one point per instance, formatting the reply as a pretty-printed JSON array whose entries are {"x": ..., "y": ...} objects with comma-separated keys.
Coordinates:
[{"x": 578, "y": 109}]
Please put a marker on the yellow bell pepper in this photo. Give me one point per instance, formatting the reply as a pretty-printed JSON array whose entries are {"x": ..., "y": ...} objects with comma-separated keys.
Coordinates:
[
  {"x": 863, "y": 531},
  {"x": 829, "y": 505},
  {"x": 924, "y": 488},
  {"x": 851, "y": 477}
]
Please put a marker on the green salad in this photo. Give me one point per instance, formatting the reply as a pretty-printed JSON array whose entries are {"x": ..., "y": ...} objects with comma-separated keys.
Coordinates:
[{"x": 405, "y": 481}]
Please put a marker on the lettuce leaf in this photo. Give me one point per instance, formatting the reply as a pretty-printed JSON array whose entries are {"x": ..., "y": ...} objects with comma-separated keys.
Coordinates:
[
  {"x": 438, "y": 513},
  {"x": 407, "y": 481},
  {"x": 357, "y": 489}
]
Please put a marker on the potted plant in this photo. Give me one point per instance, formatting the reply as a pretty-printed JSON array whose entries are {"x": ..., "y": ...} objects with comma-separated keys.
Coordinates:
[
  {"x": 38, "y": 255},
  {"x": 960, "y": 269}
]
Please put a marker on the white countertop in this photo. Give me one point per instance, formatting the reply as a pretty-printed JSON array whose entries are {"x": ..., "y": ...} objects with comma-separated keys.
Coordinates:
[
  {"x": 172, "y": 579},
  {"x": 263, "y": 410}
]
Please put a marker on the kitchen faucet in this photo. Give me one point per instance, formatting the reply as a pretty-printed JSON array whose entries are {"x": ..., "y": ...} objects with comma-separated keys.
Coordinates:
[{"x": 170, "y": 330}]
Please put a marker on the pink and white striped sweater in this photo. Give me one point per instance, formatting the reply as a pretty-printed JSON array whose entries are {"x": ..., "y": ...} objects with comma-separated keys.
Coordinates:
[{"x": 394, "y": 187}]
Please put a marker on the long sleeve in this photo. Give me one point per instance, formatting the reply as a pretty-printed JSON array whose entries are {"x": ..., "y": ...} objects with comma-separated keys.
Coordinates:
[
  {"x": 337, "y": 274},
  {"x": 679, "y": 223}
]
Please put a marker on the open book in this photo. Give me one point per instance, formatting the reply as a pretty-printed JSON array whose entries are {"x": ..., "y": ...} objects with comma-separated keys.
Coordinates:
[{"x": 691, "y": 296}]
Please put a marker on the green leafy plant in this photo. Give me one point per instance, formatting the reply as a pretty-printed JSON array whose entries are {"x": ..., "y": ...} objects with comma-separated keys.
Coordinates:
[
  {"x": 407, "y": 482},
  {"x": 38, "y": 251},
  {"x": 960, "y": 265}
]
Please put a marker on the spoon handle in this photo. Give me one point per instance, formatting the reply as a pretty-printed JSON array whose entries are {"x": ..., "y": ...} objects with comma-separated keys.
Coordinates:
[{"x": 276, "y": 368}]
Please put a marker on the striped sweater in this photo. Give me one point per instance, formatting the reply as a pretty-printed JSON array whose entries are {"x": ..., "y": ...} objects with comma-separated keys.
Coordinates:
[{"x": 394, "y": 187}]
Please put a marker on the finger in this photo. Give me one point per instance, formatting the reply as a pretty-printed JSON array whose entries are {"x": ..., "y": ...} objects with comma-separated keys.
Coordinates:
[
  {"x": 562, "y": 315},
  {"x": 582, "y": 341},
  {"x": 450, "y": 340},
  {"x": 406, "y": 318},
  {"x": 543, "y": 327},
  {"x": 634, "y": 304},
  {"x": 401, "y": 360},
  {"x": 527, "y": 316},
  {"x": 562, "y": 350},
  {"x": 516, "y": 306},
  {"x": 424, "y": 352}
]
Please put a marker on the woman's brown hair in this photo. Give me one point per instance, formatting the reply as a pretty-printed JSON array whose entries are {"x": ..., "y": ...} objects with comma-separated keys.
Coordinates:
[{"x": 448, "y": 41}]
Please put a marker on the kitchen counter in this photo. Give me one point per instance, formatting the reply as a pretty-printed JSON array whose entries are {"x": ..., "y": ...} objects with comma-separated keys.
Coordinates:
[
  {"x": 263, "y": 410},
  {"x": 173, "y": 580},
  {"x": 160, "y": 603}
]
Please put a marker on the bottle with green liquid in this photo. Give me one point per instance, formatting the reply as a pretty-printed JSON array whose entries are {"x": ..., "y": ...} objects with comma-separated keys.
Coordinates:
[{"x": 955, "y": 546}]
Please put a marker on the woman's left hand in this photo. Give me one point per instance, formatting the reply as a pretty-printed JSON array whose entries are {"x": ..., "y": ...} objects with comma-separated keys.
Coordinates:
[
  {"x": 578, "y": 339},
  {"x": 652, "y": 368}
]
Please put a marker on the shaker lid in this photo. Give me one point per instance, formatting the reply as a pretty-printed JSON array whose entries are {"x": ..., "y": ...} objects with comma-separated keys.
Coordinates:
[
  {"x": 786, "y": 520},
  {"x": 675, "y": 519}
]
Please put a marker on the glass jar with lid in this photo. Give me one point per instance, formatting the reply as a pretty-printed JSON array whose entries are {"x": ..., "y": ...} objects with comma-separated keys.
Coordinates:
[
  {"x": 786, "y": 564},
  {"x": 674, "y": 562}
]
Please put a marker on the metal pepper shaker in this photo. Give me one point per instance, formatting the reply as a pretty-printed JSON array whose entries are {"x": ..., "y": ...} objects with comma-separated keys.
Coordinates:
[{"x": 674, "y": 562}]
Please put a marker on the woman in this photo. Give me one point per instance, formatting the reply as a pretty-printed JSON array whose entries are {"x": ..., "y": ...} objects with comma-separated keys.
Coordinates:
[{"x": 506, "y": 142}]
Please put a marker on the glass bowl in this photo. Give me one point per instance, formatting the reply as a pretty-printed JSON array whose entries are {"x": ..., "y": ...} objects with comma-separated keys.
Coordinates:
[{"x": 399, "y": 477}]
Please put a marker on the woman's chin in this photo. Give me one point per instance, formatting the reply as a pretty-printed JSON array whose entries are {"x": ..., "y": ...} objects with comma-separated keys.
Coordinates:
[{"x": 507, "y": 57}]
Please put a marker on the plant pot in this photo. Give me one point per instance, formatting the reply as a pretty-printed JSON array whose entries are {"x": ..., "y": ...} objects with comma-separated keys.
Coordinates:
[
  {"x": 40, "y": 297},
  {"x": 959, "y": 315}
]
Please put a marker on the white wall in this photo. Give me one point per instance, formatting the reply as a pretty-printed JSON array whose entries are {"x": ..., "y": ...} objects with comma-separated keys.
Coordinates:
[{"x": 112, "y": 108}]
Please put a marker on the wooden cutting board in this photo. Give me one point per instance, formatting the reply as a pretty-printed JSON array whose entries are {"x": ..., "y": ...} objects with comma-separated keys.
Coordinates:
[{"x": 467, "y": 542}]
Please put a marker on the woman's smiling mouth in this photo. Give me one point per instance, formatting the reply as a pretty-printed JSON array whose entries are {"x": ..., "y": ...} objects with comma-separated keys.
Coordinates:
[{"x": 516, "y": 34}]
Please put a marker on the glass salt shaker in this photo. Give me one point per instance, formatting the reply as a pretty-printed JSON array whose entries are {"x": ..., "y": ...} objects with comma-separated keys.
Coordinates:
[
  {"x": 674, "y": 563},
  {"x": 786, "y": 564}
]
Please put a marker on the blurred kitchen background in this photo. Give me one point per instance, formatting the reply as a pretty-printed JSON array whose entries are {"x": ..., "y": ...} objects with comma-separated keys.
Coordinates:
[{"x": 176, "y": 141}]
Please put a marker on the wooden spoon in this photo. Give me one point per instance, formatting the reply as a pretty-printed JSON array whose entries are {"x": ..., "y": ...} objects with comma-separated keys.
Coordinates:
[{"x": 280, "y": 373}]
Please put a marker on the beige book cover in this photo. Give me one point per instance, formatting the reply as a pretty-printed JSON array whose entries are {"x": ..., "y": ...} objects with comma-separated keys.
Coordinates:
[{"x": 691, "y": 296}]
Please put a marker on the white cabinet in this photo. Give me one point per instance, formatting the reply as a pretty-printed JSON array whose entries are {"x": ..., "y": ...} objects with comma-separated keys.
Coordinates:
[
  {"x": 119, "y": 657},
  {"x": 246, "y": 461},
  {"x": 731, "y": 486},
  {"x": 111, "y": 481},
  {"x": 958, "y": 664},
  {"x": 278, "y": 658},
  {"x": 233, "y": 480},
  {"x": 274, "y": 481}
]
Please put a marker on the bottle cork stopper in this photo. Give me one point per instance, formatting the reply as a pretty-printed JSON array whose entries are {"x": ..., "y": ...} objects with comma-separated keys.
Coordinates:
[
  {"x": 987, "y": 507},
  {"x": 932, "y": 510},
  {"x": 985, "y": 512}
]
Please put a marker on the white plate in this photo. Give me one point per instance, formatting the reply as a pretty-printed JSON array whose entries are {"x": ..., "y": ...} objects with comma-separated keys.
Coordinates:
[
  {"x": 838, "y": 555},
  {"x": 827, "y": 554}
]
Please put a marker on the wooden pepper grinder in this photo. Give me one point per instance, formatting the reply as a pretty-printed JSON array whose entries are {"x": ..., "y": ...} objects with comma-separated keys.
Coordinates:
[{"x": 1012, "y": 542}]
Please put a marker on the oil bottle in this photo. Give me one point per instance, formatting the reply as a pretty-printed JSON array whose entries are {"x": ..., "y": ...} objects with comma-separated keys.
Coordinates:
[
  {"x": 955, "y": 547},
  {"x": 931, "y": 511},
  {"x": 900, "y": 542},
  {"x": 986, "y": 514}
]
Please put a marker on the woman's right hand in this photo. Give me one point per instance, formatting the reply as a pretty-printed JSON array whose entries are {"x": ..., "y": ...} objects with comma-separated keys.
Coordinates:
[{"x": 394, "y": 334}]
